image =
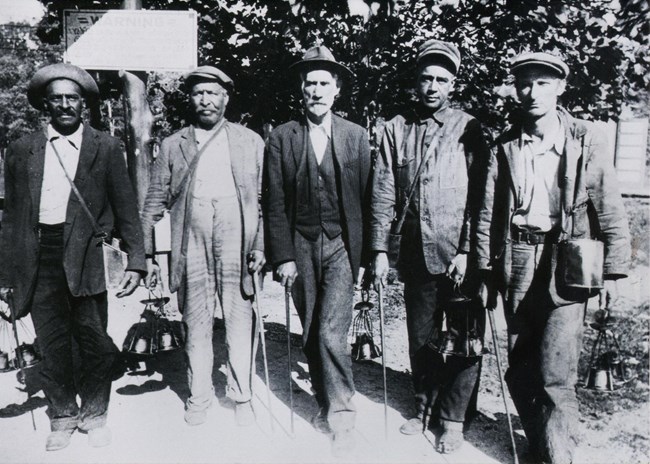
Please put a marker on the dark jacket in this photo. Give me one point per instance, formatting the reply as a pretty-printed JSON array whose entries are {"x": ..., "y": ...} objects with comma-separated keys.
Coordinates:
[
  {"x": 449, "y": 193},
  {"x": 170, "y": 185},
  {"x": 104, "y": 184},
  {"x": 591, "y": 203},
  {"x": 284, "y": 153}
]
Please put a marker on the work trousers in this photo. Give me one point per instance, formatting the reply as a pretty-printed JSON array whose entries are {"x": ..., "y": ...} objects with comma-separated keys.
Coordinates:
[
  {"x": 323, "y": 295},
  {"x": 213, "y": 277},
  {"x": 544, "y": 347},
  {"x": 61, "y": 319},
  {"x": 448, "y": 381}
]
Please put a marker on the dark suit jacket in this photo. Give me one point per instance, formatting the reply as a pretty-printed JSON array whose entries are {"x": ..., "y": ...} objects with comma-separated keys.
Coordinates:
[
  {"x": 104, "y": 184},
  {"x": 170, "y": 186},
  {"x": 284, "y": 152}
]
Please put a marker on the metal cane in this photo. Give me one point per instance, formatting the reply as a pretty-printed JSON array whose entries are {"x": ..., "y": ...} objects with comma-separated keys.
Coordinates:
[
  {"x": 495, "y": 342},
  {"x": 258, "y": 317},
  {"x": 19, "y": 354},
  {"x": 287, "y": 305},
  {"x": 383, "y": 355}
]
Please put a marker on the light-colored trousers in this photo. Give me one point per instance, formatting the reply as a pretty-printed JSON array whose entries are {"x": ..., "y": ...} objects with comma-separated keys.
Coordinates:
[{"x": 214, "y": 260}]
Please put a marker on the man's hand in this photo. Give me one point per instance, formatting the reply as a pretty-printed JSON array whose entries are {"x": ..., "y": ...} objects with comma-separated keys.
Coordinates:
[
  {"x": 286, "y": 273},
  {"x": 457, "y": 268},
  {"x": 380, "y": 268},
  {"x": 5, "y": 310},
  {"x": 256, "y": 261},
  {"x": 4, "y": 294},
  {"x": 153, "y": 276},
  {"x": 608, "y": 295},
  {"x": 129, "y": 283}
]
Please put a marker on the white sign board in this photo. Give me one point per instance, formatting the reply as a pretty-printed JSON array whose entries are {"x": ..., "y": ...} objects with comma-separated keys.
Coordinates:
[{"x": 133, "y": 40}]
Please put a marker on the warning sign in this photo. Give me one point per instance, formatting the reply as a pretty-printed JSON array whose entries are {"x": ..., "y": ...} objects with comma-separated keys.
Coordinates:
[{"x": 134, "y": 40}]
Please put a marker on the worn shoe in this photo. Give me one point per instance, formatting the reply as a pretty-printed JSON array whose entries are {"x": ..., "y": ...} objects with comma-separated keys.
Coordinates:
[
  {"x": 320, "y": 423},
  {"x": 244, "y": 415},
  {"x": 58, "y": 439},
  {"x": 99, "y": 437},
  {"x": 413, "y": 426},
  {"x": 195, "y": 416},
  {"x": 451, "y": 438},
  {"x": 343, "y": 443}
]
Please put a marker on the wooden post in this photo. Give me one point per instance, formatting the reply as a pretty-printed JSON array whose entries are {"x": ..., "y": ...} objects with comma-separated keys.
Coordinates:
[{"x": 140, "y": 123}]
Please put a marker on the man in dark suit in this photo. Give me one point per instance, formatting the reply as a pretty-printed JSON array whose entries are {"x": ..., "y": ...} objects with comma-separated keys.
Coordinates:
[
  {"x": 52, "y": 264},
  {"x": 317, "y": 173}
]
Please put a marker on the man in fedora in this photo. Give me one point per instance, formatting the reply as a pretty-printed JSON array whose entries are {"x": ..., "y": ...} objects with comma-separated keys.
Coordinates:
[
  {"x": 50, "y": 254},
  {"x": 550, "y": 179},
  {"x": 209, "y": 176},
  {"x": 447, "y": 147},
  {"x": 317, "y": 174}
]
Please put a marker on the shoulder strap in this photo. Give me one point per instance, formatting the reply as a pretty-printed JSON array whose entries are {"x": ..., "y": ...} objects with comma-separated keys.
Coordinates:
[
  {"x": 99, "y": 233},
  {"x": 195, "y": 163},
  {"x": 427, "y": 155}
]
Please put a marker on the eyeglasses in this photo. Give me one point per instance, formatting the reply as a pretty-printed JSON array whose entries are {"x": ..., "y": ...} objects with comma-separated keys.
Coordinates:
[{"x": 58, "y": 98}]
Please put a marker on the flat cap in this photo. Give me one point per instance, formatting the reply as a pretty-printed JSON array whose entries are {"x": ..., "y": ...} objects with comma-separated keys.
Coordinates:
[
  {"x": 434, "y": 50},
  {"x": 47, "y": 74},
  {"x": 208, "y": 74},
  {"x": 547, "y": 60},
  {"x": 320, "y": 57}
]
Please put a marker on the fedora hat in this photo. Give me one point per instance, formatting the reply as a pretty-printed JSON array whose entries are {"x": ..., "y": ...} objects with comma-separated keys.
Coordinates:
[
  {"x": 208, "y": 74},
  {"x": 47, "y": 74},
  {"x": 320, "y": 57}
]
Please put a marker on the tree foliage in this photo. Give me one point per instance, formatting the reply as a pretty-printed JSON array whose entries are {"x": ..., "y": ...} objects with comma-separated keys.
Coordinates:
[{"x": 605, "y": 44}]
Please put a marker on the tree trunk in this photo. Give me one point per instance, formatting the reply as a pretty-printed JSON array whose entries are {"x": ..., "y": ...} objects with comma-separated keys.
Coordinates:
[{"x": 140, "y": 123}]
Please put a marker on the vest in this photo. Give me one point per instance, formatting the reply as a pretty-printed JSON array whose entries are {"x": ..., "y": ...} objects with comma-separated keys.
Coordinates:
[{"x": 317, "y": 206}]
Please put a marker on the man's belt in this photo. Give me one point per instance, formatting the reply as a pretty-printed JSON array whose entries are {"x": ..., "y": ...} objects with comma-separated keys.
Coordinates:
[{"x": 533, "y": 238}]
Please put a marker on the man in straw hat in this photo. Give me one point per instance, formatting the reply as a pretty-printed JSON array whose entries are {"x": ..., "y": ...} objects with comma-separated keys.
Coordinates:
[
  {"x": 449, "y": 146},
  {"x": 51, "y": 259},
  {"x": 209, "y": 176},
  {"x": 318, "y": 169},
  {"x": 550, "y": 180}
]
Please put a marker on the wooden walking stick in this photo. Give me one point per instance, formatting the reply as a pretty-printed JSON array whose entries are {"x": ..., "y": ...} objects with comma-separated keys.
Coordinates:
[
  {"x": 19, "y": 354},
  {"x": 287, "y": 305},
  {"x": 260, "y": 322},
  {"x": 495, "y": 342},
  {"x": 383, "y": 355}
]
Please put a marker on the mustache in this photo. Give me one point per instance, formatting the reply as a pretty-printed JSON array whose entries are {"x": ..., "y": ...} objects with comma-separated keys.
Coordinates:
[{"x": 66, "y": 112}]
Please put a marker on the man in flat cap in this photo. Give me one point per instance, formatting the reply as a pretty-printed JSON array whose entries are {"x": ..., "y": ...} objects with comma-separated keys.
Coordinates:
[
  {"x": 429, "y": 163},
  {"x": 209, "y": 176},
  {"x": 317, "y": 174},
  {"x": 550, "y": 180},
  {"x": 50, "y": 254}
]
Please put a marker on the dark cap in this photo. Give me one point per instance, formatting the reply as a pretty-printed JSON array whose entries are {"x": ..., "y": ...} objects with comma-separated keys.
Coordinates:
[
  {"x": 320, "y": 57},
  {"x": 47, "y": 74},
  {"x": 208, "y": 74},
  {"x": 546, "y": 60},
  {"x": 438, "y": 50}
]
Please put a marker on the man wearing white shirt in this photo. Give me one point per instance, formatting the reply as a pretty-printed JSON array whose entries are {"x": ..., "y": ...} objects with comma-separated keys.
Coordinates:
[
  {"x": 549, "y": 179},
  {"x": 317, "y": 177},
  {"x": 52, "y": 264},
  {"x": 209, "y": 176}
]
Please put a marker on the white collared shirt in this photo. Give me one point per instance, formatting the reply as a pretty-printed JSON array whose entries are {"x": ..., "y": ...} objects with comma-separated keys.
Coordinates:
[
  {"x": 542, "y": 208},
  {"x": 320, "y": 134},
  {"x": 55, "y": 188}
]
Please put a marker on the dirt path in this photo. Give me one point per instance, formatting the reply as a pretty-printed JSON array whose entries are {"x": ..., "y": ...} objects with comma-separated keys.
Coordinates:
[{"x": 146, "y": 412}]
